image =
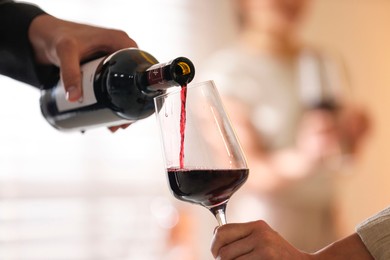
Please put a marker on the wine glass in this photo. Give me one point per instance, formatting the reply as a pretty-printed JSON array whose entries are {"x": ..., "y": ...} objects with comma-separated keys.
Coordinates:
[{"x": 204, "y": 161}]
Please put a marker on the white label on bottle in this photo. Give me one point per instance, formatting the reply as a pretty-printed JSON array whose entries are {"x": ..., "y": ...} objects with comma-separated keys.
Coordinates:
[{"x": 87, "y": 74}]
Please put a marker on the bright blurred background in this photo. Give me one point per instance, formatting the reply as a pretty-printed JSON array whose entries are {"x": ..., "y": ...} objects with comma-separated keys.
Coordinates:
[{"x": 104, "y": 196}]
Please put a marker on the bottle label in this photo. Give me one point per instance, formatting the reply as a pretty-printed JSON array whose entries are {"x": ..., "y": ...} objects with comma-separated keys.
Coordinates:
[
  {"x": 87, "y": 79},
  {"x": 156, "y": 73}
]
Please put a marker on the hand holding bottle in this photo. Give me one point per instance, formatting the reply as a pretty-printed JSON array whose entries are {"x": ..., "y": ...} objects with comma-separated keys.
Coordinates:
[
  {"x": 65, "y": 44},
  {"x": 117, "y": 89}
]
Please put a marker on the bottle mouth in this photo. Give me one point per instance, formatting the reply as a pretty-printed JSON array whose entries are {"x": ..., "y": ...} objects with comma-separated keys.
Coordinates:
[
  {"x": 183, "y": 71},
  {"x": 182, "y": 68}
]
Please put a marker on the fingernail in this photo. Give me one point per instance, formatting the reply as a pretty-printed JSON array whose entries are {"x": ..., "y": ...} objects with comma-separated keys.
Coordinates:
[{"x": 73, "y": 94}]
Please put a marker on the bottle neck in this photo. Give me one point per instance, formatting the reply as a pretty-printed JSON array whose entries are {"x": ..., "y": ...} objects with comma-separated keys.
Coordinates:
[{"x": 162, "y": 76}]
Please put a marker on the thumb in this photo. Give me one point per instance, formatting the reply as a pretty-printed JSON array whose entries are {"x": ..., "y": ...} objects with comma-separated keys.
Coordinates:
[{"x": 69, "y": 60}]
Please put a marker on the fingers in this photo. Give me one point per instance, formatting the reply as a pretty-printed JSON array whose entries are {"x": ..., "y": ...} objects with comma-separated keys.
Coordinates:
[
  {"x": 71, "y": 50},
  {"x": 69, "y": 59},
  {"x": 108, "y": 41},
  {"x": 238, "y": 241},
  {"x": 119, "y": 40},
  {"x": 239, "y": 248},
  {"x": 113, "y": 129},
  {"x": 229, "y": 233}
]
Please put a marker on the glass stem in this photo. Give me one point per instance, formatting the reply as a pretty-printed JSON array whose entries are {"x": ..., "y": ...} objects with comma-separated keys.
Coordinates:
[{"x": 219, "y": 213}]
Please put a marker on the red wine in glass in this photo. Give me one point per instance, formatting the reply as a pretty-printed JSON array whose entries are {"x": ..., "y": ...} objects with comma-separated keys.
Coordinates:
[{"x": 207, "y": 187}]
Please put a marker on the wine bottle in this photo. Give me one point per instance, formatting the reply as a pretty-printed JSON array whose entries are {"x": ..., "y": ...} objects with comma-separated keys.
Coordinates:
[{"x": 117, "y": 89}]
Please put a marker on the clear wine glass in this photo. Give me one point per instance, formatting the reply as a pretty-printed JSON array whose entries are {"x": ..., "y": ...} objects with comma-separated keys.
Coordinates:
[{"x": 203, "y": 158}]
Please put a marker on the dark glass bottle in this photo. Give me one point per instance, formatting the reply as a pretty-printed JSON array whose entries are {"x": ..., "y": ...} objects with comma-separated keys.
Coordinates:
[{"x": 118, "y": 89}]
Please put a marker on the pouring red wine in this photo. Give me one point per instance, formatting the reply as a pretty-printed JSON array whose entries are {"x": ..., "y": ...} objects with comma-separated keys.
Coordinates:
[{"x": 204, "y": 161}]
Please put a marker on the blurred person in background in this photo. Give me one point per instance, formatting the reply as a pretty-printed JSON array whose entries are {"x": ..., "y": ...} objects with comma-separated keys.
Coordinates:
[
  {"x": 34, "y": 44},
  {"x": 296, "y": 126}
]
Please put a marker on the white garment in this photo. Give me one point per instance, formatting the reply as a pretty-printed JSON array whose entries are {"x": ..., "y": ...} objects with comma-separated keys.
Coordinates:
[
  {"x": 277, "y": 93},
  {"x": 375, "y": 234}
]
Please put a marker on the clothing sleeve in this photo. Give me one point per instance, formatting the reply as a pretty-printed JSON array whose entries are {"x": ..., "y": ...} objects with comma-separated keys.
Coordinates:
[
  {"x": 16, "y": 53},
  {"x": 375, "y": 234}
]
